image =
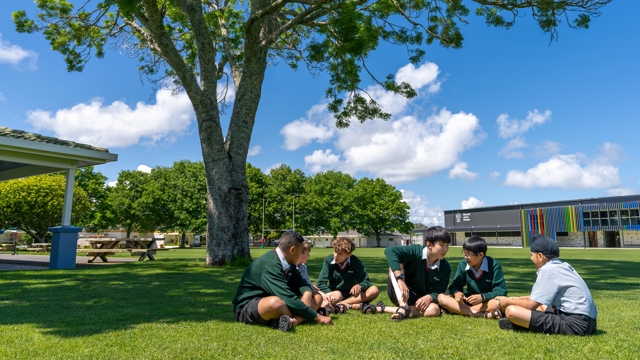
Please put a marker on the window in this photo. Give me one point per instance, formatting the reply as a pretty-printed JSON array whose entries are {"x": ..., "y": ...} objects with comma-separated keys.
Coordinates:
[
  {"x": 587, "y": 215},
  {"x": 604, "y": 222},
  {"x": 595, "y": 222},
  {"x": 624, "y": 217},
  {"x": 587, "y": 222},
  {"x": 595, "y": 215},
  {"x": 603, "y": 214}
]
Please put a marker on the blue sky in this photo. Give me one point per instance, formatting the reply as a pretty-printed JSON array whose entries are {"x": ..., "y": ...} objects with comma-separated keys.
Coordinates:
[{"x": 510, "y": 118}]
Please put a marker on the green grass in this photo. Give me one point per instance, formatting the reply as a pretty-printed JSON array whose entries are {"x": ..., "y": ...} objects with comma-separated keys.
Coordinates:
[{"x": 178, "y": 308}]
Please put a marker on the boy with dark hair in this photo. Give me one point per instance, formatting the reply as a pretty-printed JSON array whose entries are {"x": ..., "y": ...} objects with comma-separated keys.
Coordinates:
[
  {"x": 318, "y": 296},
  {"x": 560, "y": 301},
  {"x": 417, "y": 275},
  {"x": 344, "y": 279},
  {"x": 483, "y": 278},
  {"x": 272, "y": 291}
]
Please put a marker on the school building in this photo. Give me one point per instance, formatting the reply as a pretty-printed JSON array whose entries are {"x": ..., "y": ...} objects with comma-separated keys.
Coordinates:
[{"x": 597, "y": 222}]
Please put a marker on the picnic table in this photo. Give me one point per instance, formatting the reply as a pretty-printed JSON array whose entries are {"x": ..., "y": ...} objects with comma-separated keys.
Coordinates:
[
  {"x": 101, "y": 248},
  {"x": 40, "y": 247}
]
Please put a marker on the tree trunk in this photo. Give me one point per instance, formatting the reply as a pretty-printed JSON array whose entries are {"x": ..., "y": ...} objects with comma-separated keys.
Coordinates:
[
  {"x": 225, "y": 161},
  {"x": 183, "y": 238},
  {"x": 378, "y": 238}
]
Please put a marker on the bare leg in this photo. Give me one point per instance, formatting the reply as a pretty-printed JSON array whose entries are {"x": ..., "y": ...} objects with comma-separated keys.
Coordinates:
[
  {"x": 521, "y": 316},
  {"x": 336, "y": 297},
  {"x": 366, "y": 296},
  {"x": 317, "y": 298},
  {"x": 478, "y": 310},
  {"x": 272, "y": 307},
  {"x": 432, "y": 310}
]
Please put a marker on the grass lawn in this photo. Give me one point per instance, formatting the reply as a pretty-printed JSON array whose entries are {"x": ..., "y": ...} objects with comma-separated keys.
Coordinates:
[{"x": 177, "y": 308}]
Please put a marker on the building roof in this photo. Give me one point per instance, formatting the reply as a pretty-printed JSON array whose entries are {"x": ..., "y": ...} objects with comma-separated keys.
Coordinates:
[
  {"x": 556, "y": 203},
  {"x": 350, "y": 233},
  {"x": 24, "y": 135}
]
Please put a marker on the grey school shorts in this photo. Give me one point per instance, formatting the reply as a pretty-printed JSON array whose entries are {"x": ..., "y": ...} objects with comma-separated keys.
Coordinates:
[
  {"x": 554, "y": 321},
  {"x": 249, "y": 314}
]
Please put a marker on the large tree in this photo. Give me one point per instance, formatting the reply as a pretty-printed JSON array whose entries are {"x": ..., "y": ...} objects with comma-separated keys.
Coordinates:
[
  {"x": 177, "y": 198},
  {"x": 379, "y": 208},
  {"x": 197, "y": 43},
  {"x": 94, "y": 183},
  {"x": 130, "y": 204},
  {"x": 34, "y": 204}
]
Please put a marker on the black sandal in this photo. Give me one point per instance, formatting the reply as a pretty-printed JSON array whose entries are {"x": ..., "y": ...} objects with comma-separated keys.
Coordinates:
[
  {"x": 324, "y": 311},
  {"x": 284, "y": 324},
  {"x": 340, "y": 308},
  {"x": 495, "y": 314},
  {"x": 407, "y": 313},
  {"x": 368, "y": 308}
]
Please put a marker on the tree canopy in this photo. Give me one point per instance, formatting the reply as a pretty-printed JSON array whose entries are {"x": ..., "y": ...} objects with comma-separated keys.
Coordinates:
[
  {"x": 34, "y": 204},
  {"x": 197, "y": 43}
]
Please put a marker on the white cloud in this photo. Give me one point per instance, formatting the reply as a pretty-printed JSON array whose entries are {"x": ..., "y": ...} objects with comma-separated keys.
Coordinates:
[
  {"x": 425, "y": 74},
  {"x": 420, "y": 211},
  {"x": 621, "y": 191},
  {"x": 15, "y": 55},
  {"x": 112, "y": 183},
  {"x": 274, "y": 166},
  {"x": 118, "y": 125},
  {"x": 321, "y": 160},
  {"x": 548, "y": 148},
  {"x": 574, "y": 171},
  {"x": 511, "y": 150},
  {"x": 494, "y": 174},
  {"x": 509, "y": 128},
  {"x": 472, "y": 203},
  {"x": 302, "y": 132},
  {"x": 144, "y": 168},
  {"x": 460, "y": 171},
  {"x": 2, "y": 98},
  {"x": 254, "y": 150}
]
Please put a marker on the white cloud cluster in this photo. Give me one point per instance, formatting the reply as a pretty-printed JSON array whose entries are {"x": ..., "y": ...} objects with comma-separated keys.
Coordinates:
[
  {"x": 573, "y": 171},
  {"x": 513, "y": 127},
  {"x": 420, "y": 211},
  {"x": 494, "y": 174},
  {"x": 460, "y": 171},
  {"x": 117, "y": 124},
  {"x": 144, "y": 168},
  {"x": 15, "y": 55},
  {"x": 253, "y": 151},
  {"x": 303, "y": 132},
  {"x": 513, "y": 147},
  {"x": 401, "y": 149},
  {"x": 472, "y": 203},
  {"x": 274, "y": 166},
  {"x": 321, "y": 160}
]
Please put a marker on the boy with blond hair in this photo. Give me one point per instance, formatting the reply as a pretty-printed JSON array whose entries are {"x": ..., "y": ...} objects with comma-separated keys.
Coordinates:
[{"x": 344, "y": 279}]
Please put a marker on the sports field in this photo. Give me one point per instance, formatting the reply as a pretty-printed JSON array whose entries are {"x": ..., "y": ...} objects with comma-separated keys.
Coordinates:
[{"x": 175, "y": 308}]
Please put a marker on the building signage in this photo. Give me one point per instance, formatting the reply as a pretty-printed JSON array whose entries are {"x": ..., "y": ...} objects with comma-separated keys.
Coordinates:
[
  {"x": 458, "y": 217},
  {"x": 466, "y": 217}
]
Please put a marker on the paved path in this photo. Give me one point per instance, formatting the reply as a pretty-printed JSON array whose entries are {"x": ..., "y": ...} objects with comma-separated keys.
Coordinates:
[{"x": 41, "y": 262}]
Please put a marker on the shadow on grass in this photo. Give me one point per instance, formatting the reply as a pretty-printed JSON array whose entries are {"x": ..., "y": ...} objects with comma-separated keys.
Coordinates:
[{"x": 91, "y": 301}]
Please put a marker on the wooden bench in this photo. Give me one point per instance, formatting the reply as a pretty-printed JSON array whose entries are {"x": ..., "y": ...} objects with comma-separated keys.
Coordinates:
[{"x": 101, "y": 253}]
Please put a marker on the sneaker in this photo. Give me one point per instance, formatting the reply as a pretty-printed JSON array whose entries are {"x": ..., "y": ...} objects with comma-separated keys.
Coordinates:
[
  {"x": 284, "y": 323},
  {"x": 505, "y": 324}
]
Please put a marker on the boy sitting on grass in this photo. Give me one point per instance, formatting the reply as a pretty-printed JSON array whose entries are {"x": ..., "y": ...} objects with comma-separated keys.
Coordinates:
[
  {"x": 560, "y": 301},
  {"x": 272, "y": 291},
  {"x": 344, "y": 279},
  {"x": 417, "y": 275},
  {"x": 483, "y": 278},
  {"x": 318, "y": 296}
]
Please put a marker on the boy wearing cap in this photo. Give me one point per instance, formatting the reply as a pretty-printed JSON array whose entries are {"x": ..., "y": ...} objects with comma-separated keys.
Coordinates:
[{"x": 560, "y": 301}]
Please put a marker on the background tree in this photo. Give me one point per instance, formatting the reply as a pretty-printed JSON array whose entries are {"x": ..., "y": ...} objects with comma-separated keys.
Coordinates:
[
  {"x": 130, "y": 209},
  {"x": 283, "y": 185},
  {"x": 34, "y": 204},
  {"x": 94, "y": 183},
  {"x": 177, "y": 198},
  {"x": 327, "y": 203},
  {"x": 197, "y": 43},
  {"x": 379, "y": 208},
  {"x": 258, "y": 183}
]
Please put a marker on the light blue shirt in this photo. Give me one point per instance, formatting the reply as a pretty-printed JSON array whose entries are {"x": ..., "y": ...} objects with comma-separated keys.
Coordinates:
[
  {"x": 560, "y": 286},
  {"x": 303, "y": 271}
]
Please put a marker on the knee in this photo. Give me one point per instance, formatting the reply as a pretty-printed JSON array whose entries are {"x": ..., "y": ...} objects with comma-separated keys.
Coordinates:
[
  {"x": 373, "y": 291},
  {"x": 510, "y": 311},
  {"x": 274, "y": 303},
  {"x": 442, "y": 298}
]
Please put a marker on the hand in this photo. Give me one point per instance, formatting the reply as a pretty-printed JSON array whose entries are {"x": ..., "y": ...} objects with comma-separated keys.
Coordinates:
[
  {"x": 423, "y": 303},
  {"x": 459, "y": 296},
  {"x": 404, "y": 289},
  {"x": 324, "y": 320},
  {"x": 474, "y": 299},
  {"x": 356, "y": 290},
  {"x": 502, "y": 301}
]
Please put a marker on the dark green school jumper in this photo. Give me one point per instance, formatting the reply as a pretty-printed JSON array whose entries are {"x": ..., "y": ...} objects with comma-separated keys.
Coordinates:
[
  {"x": 334, "y": 277},
  {"x": 418, "y": 277},
  {"x": 489, "y": 283},
  {"x": 266, "y": 277}
]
